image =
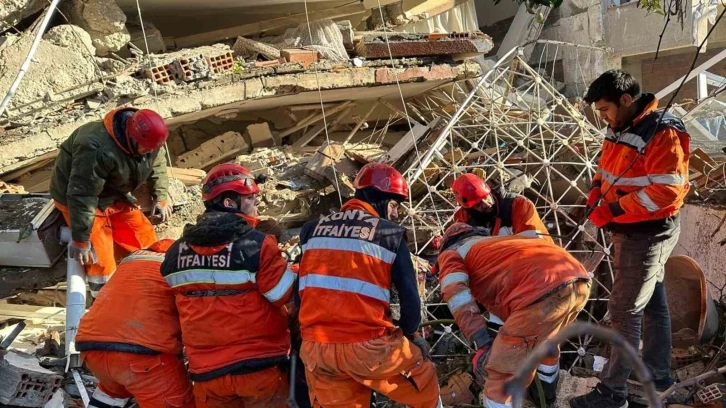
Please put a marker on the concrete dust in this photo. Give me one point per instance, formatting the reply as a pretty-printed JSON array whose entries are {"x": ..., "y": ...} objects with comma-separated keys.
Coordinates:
[
  {"x": 16, "y": 214},
  {"x": 54, "y": 69},
  {"x": 70, "y": 36}
]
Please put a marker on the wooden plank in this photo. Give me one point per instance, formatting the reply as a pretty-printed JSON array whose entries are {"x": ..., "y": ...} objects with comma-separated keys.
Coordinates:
[
  {"x": 9, "y": 312},
  {"x": 190, "y": 177},
  {"x": 325, "y": 156},
  {"x": 38, "y": 181},
  {"x": 267, "y": 25},
  {"x": 211, "y": 152},
  {"x": 360, "y": 123},
  {"x": 407, "y": 142},
  {"x": 303, "y": 141}
]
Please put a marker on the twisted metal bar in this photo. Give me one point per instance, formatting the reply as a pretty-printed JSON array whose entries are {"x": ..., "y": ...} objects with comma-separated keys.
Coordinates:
[{"x": 516, "y": 386}]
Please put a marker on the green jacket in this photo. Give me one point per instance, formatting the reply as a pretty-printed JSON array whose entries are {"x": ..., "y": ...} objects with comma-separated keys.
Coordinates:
[{"x": 91, "y": 171}]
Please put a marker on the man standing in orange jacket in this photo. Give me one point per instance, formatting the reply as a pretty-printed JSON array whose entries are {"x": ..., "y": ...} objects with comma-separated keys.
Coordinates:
[
  {"x": 231, "y": 284},
  {"x": 350, "y": 259},
  {"x": 131, "y": 340},
  {"x": 502, "y": 214},
  {"x": 637, "y": 192},
  {"x": 534, "y": 285},
  {"x": 97, "y": 170}
]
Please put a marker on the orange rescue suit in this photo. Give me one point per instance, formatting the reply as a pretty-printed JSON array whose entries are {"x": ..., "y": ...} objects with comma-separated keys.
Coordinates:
[
  {"x": 516, "y": 214},
  {"x": 644, "y": 171},
  {"x": 135, "y": 309}
]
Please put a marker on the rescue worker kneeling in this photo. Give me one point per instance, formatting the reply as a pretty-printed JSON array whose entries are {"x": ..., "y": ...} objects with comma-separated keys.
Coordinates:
[
  {"x": 131, "y": 340},
  {"x": 231, "y": 284},
  {"x": 350, "y": 345},
  {"x": 535, "y": 286}
]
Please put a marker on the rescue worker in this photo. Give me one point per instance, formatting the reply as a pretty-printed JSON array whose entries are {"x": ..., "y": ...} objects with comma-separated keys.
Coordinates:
[
  {"x": 97, "y": 169},
  {"x": 131, "y": 340},
  {"x": 535, "y": 286},
  {"x": 637, "y": 193},
  {"x": 231, "y": 284},
  {"x": 350, "y": 259},
  {"x": 503, "y": 214}
]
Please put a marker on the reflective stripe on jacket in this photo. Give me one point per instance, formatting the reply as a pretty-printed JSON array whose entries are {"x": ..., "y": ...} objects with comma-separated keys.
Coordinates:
[
  {"x": 231, "y": 285},
  {"x": 504, "y": 274},
  {"x": 135, "y": 308},
  {"x": 345, "y": 275},
  {"x": 516, "y": 214},
  {"x": 654, "y": 187}
]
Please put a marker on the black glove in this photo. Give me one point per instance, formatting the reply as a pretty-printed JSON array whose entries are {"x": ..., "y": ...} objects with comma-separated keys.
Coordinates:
[{"x": 422, "y": 344}]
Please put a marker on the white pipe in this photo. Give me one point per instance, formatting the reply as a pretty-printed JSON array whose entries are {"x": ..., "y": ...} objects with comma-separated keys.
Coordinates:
[
  {"x": 29, "y": 58},
  {"x": 75, "y": 308}
]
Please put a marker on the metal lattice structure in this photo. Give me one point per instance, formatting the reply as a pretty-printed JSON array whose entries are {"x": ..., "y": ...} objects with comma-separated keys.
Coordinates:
[{"x": 518, "y": 132}]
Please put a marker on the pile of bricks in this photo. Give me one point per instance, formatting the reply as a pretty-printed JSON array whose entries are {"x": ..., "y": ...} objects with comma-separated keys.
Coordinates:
[
  {"x": 24, "y": 383},
  {"x": 191, "y": 68}
]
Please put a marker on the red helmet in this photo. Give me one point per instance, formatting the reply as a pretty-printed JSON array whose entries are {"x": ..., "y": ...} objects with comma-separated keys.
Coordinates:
[
  {"x": 148, "y": 129},
  {"x": 470, "y": 190},
  {"x": 228, "y": 177},
  {"x": 382, "y": 177}
]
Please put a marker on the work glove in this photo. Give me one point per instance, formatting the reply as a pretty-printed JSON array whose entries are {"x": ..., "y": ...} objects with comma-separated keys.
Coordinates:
[
  {"x": 595, "y": 194},
  {"x": 421, "y": 343},
  {"x": 81, "y": 251},
  {"x": 602, "y": 216},
  {"x": 477, "y": 363},
  {"x": 163, "y": 209}
]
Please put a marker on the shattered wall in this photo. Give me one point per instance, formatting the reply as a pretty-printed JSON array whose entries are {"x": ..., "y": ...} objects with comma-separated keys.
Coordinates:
[
  {"x": 14, "y": 11},
  {"x": 104, "y": 21}
]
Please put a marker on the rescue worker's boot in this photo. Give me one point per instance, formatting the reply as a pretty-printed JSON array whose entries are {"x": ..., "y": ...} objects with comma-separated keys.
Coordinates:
[
  {"x": 600, "y": 397},
  {"x": 547, "y": 376}
]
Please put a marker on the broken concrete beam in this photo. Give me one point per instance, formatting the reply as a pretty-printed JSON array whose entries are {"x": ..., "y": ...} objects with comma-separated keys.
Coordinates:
[
  {"x": 258, "y": 134},
  {"x": 24, "y": 383},
  {"x": 248, "y": 48},
  {"x": 326, "y": 156},
  {"x": 190, "y": 177},
  {"x": 305, "y": 57},
  {"x": 268, "y": 25},
  {"x": 211, "y": 152},
  {"x": 412, "y": 45}
]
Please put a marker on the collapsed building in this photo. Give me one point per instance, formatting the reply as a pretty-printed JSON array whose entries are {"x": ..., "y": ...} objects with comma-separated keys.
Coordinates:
[{"x": 307, "y": 103}]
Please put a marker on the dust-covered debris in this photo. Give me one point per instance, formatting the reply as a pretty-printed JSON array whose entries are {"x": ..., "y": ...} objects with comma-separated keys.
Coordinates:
[{"x": 18, "y": 213}]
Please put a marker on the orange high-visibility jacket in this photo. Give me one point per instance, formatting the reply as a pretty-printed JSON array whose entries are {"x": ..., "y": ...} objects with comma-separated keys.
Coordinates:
[
  {"x": 231, "y": 284},
  {"x": 504, "y": 274},
  {"x": 654, "y": 187},
  {"x": 135, "y": 312},
  {"x": 346, "y": 271},
  {"x": 516, "y": 214}
]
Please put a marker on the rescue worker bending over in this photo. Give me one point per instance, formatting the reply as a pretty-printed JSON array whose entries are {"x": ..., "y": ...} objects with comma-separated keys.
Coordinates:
[
  {"x": 131, "y": 340},
  {"x": 502, "y": 214},
  {"x": 231, "y": 284},
  {"x": 350, "y": 259},
  {"x": 534, "y": 285},
  {"x": 98, "y": 168}
]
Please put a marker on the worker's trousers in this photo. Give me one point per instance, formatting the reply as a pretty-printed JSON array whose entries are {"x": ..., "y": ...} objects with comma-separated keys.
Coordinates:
[
  {"x": 267, "y": 388},
  {"x": 121, "y": 224},
  {"x": 523, "y": 330},
  {"x": 158, "y": 381},
  {"x": 345, "y": 375},
  {"x": 638, "y": 301}
]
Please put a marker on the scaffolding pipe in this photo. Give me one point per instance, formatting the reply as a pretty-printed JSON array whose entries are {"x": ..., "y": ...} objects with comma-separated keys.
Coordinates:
[
  {"x": 75, "y": 302},
  {"x": 26, "y": 64}
]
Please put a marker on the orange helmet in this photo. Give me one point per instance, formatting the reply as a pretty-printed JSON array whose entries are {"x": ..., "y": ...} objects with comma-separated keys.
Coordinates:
[
  {"x": 382, "y": 177},
  {"x": 470, "y": 190},
  {"x": 228, "y": 177}
]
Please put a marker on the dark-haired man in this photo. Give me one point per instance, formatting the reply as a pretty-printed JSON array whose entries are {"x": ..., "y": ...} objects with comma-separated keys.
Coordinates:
[{"x": 639, "y": 187}]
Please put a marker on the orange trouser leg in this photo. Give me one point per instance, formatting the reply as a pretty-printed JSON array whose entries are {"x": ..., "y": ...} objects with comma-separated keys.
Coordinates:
[
  {"x": 522, "y": 331},
  {"x": 268, "y": 388},
  {"x": 131, "y": 229},
  {"x": 102, "y": 242},
  {"x": 343, "y": 375},
  {"x": 154, "y": 381}
]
